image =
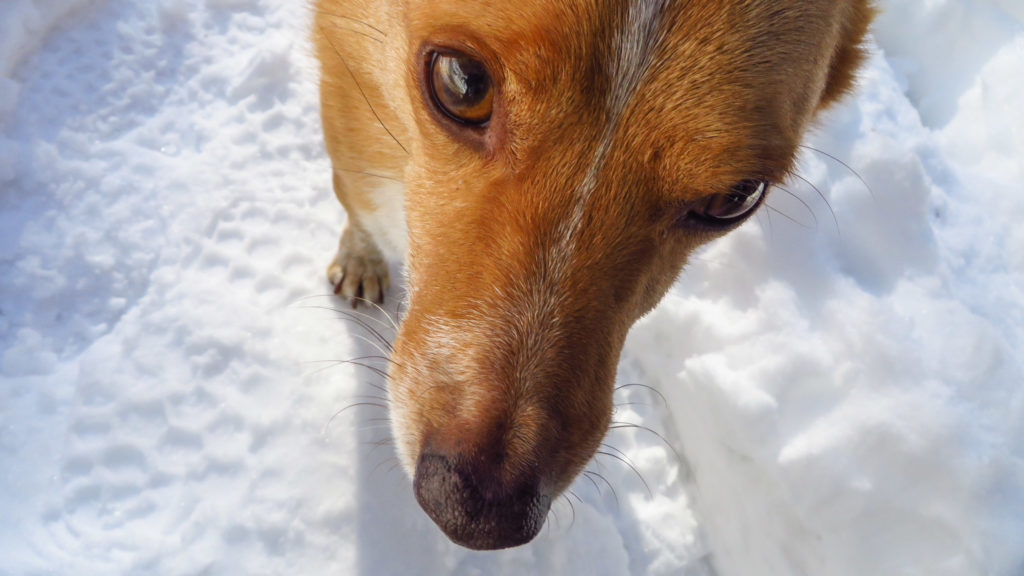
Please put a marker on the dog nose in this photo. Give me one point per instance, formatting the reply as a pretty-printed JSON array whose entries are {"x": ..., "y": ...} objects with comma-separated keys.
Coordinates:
[{"x": 474, "y": 507}]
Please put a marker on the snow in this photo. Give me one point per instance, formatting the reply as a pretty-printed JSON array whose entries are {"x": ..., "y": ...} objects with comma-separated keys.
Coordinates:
[{"x": 838, "y": 383}]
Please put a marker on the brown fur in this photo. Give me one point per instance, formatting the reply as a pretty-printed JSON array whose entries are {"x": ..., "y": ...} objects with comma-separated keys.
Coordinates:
[{"x": 505, "y": 361}]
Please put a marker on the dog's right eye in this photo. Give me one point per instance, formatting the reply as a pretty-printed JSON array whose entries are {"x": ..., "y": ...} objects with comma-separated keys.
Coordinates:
[{"x": 461, "y": 87}]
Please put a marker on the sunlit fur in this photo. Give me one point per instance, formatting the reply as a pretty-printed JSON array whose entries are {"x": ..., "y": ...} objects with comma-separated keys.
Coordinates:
[{"x": 534, "y": 244}]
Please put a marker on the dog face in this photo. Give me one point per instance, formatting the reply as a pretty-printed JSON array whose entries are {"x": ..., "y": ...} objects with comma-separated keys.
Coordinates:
[{"x": 565, "y": 158}]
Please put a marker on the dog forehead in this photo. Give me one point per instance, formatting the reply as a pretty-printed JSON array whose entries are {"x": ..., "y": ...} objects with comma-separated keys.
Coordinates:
[
  {"x": 717, "y": 91},
  {"x": 682, "y": 107}
]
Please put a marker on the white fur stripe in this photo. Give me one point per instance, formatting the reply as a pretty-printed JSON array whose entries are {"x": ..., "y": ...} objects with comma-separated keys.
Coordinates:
[{"x": 635, "y": 45}]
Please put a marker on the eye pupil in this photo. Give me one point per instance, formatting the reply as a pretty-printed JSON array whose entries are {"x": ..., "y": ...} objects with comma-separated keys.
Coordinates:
[{"x": 461, "y": 88}]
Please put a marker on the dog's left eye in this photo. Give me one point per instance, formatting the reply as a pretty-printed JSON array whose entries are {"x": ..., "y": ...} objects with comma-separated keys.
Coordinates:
[
  {"x": 461, "y": 88},
  {"x": 728, "y": 208}
]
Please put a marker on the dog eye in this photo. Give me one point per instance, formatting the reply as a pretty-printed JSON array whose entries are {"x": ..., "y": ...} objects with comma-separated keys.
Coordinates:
[
  {"x": 461, "y": 88},
  {"x": 721, "y": 210}
]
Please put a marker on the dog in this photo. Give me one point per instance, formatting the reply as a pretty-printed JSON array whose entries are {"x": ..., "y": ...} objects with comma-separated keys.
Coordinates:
[{"x": 545, "y": 167}]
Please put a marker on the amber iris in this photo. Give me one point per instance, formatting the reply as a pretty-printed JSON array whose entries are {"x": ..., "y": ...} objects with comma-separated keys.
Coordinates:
[{"x": 462, "y": 88}]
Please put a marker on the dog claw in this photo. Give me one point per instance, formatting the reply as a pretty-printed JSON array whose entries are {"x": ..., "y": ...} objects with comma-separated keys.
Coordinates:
[{"x": 358, "y": 275}]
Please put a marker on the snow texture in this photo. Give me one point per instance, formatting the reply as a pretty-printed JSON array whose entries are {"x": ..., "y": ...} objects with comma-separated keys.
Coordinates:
[{"x": 839, "y": 381}]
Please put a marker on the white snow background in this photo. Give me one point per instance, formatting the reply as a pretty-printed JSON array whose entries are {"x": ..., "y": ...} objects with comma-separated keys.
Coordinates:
[{"x": 842, "y": 384}]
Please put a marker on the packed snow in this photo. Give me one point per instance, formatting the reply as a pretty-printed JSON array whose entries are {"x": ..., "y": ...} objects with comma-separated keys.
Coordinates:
[{"x": 837, "y": 388}]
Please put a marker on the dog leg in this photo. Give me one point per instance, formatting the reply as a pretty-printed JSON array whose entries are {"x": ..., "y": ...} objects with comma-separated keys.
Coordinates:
[{"x": 358, "y": 269}]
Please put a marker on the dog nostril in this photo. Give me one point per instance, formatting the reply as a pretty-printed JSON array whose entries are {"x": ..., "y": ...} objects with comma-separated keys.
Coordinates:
[{"x": 475, "y": 509}]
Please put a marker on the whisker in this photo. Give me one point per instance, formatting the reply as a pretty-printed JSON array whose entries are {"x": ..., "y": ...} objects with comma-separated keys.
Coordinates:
[
  {"x": 353, "y": 362},
  {"x": 361, "y": 33},
  {"x": 371, "y": 174},
  {"x": 369, "y": 428},
  {"x": 310, "y": 297},
  {"x": 351, "y": 19},
  {"x": 645, "y": 386},
  {"x": 787, "y": 216},
  {"x": 333, "y": 364},
  {"x": 390, "y": 324},
  {"x": 624, "y": 404},
  {"x": 572, "y": 509},
  {"x": 823, "y": 199},
  {"x": 370, "y": 397},
  {"x": 363, "y": 93},
  {"x": 393, "y": 466},
  {"x": 802, "y": 202},
  {"x": 353, "y": 317},
  {"x": 379, "y": 444},
  {"x": 378, "y": 371},
  {"x": 327, "y": 426},
  {"x": 631, "y": 425},
  {"x": 596, "y": 487},
  {"x": 844, "y": 165},
  {"x": 360, "y": 359},
  {"x": 576, "y": 496},
  {"x": 610, "y": 447},
  {"x": 386, "y": 314},
  {"x": 763, "y": 216},
  {"x": 394, "y": 462},
  {"x": 628, "y": 463},
  {"x": 588, "y": 473},
  {"x": 383, "y": 350}
]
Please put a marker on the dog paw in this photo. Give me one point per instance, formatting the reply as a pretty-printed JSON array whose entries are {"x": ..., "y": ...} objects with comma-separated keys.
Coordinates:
[{"x": 358, "y": 271}]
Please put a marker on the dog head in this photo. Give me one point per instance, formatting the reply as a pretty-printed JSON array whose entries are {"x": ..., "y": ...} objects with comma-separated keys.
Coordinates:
[{"x": 565, "y": 158}]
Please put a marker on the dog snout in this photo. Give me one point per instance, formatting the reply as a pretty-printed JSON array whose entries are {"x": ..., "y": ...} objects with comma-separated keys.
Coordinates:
[{"x": 475, "y": 504}]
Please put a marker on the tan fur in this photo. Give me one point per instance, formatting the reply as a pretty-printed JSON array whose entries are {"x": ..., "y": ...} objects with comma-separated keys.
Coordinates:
[{"x": 534, "y": 244}]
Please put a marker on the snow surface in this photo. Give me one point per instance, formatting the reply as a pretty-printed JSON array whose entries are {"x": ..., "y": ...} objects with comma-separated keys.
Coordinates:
[{"x": 842, "y": 386}]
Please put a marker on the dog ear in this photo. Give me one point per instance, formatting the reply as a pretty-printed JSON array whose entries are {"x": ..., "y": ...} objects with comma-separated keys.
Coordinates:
[{"x": 849, "y": 52}]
